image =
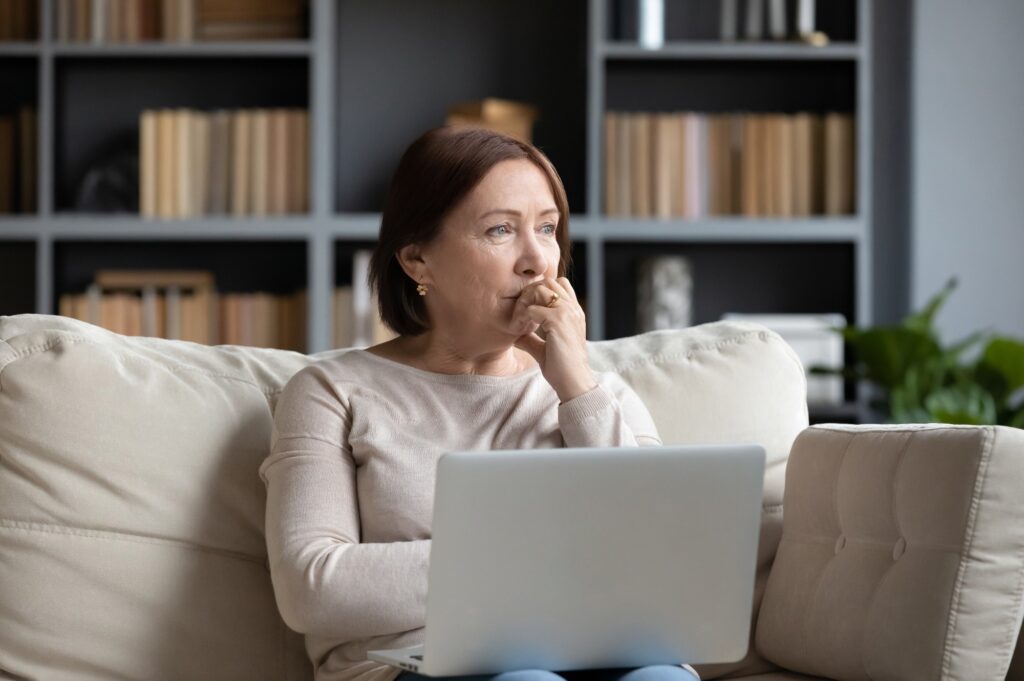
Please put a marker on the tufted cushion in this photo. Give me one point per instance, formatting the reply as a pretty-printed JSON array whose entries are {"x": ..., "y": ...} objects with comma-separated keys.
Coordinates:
[
  {"x": 902, "y": 554},
  {"x": 131, "y": 512}
]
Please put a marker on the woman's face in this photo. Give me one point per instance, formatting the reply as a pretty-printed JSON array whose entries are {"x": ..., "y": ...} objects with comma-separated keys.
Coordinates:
[{"x": 500, "y": 238}]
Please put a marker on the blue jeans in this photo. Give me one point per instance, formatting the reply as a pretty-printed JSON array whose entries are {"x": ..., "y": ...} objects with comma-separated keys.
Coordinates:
[{"x": 654, "y": 672}]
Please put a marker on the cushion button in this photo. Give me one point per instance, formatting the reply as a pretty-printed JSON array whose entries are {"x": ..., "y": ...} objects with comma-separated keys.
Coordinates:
[
  {"x": 840, "y": 543},
  {"x": 901, "y": 546}
]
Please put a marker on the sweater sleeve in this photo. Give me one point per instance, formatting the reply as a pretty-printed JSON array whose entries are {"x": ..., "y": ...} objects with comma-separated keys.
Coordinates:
[
  {"x": 610, "y": 415},
  {"x": 325, "y": 581}
]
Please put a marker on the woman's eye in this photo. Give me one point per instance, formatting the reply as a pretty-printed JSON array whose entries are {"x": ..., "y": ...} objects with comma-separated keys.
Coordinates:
[
  {"x": 549, "y": 228},
  {"x": 498, "y": 230}
]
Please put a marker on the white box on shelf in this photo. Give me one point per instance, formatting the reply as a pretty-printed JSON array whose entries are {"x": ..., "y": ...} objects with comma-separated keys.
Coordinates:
[{"x": 815, "y": 343}]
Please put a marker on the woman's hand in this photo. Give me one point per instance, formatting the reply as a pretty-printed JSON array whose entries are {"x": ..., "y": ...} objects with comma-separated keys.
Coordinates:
[{"x": 562, "y": 351}]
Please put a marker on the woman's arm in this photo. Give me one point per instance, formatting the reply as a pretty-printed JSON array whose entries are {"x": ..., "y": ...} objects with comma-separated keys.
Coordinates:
[
  {"x": 325, "y": 581},
  {"x": 610, "y": 415}
]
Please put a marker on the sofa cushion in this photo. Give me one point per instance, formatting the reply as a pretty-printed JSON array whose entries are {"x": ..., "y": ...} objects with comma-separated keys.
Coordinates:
[
  {"x": 132, "y": 514},
  {"x": 902, "y": 553}
]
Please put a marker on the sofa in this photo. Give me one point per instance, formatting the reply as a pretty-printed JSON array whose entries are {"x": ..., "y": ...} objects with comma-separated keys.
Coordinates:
[{"x": 132, "y": 515}]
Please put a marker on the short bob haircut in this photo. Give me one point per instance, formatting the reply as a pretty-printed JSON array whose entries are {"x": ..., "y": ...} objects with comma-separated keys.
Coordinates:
[{"x": 434, "y": 174}]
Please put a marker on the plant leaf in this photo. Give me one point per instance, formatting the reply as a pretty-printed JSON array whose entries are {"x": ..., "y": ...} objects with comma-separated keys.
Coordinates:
[
  {"x": 966, "y": 403},
  {"x": 887, "y": 353},
  {"x": 1018, "y": 420},
  {"x": 922, "y": 320},
  {"x": 1006, "y": 356}
]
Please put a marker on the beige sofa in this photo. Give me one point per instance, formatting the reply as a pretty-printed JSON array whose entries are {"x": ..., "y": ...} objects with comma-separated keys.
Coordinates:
[{"x": 131, "y": 513}]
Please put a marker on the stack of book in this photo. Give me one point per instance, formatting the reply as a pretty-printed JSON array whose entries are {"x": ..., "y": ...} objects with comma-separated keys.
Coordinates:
[
  {"x": 103, "y": 21},
  {"x": 19, "y": 20},
  {"x": 18, "y": 135},
  {"x": 357, "y": 321},
  {"x": 691, "y": 165},
  {"x": 185, "y": 305},
  {"x": 245, "y": 162}
]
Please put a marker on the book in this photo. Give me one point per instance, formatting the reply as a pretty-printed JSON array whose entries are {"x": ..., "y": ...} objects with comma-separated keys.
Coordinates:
[
  {"x": 611, "y": 204},
  {"x": 839, "y": 164},
  {"x": 241, "y": 163},
  {"x": 28, "y": 137},
  {"x": 640, "y": 164}
]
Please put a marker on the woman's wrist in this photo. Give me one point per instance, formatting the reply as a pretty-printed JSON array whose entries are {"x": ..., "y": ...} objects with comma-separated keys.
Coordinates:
[{"x": 574, "y": 389}]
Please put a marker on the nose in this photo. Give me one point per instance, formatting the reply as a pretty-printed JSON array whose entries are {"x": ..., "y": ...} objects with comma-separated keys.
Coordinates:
[{"x": 532, "y": 260}]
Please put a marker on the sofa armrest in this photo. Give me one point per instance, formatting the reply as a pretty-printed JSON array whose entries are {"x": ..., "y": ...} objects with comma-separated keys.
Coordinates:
[{"x": 902, "y": 553}]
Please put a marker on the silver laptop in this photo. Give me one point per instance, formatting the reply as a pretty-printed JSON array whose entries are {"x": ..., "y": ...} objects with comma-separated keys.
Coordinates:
[{"x": 564, "y": 559}]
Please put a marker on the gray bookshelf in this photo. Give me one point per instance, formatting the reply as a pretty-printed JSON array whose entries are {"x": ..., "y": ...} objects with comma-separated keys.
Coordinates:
[{"x": 368, "y": 99}]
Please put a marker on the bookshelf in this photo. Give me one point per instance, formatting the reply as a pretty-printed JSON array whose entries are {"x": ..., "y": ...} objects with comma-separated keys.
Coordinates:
[{"x": 375, "y": 75}]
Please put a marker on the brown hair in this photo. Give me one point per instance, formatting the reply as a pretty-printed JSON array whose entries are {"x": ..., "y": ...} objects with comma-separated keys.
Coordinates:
[{"x": 434, "y": 174}]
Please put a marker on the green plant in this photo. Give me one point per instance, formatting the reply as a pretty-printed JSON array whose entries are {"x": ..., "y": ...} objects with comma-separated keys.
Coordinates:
[{"x": 923, "y": 382}]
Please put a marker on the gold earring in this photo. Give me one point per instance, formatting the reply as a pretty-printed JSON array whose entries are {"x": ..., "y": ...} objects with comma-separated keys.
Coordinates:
[{"x": 421, "y": 289}]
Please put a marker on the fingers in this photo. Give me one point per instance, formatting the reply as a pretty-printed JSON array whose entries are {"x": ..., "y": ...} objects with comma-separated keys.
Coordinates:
[{"x": 542, "y": 292}]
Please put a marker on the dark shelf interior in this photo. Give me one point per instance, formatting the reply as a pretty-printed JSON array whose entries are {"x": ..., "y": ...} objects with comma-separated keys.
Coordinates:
[
  {"x": 238, "y": 266},
  {"x": 701, "y": 20},
  {"x": 91, "y": 130},
  {"x": 343, "y": 253},
  {"x": 726, "y": 85},
  {"x": 18, "y": 90},
  {"x": 424, "y": 57},
  {"x": 19, "y": 77},
  {"x": 17, "y": 277}
]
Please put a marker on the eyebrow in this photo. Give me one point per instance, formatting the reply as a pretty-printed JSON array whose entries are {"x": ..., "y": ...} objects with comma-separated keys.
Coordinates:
[{"x": 509, "y": 211}]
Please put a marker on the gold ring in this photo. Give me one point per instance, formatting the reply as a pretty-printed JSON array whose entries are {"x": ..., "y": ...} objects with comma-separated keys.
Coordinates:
[{"x": 554, "y": 299}]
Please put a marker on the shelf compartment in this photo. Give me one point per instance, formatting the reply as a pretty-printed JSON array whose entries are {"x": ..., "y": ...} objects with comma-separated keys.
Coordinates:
[
  {"x": 273, "y": 266},
  {"x": 17, "y": 277},
  {"x": 93, "y": 131},
  {"x": 427, "y": 56},
  {"x": 737, "y": 277}
]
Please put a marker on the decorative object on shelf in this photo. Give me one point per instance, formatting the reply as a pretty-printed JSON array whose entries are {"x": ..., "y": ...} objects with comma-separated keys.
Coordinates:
[
  {"x": 816, "y": 342},
  {"x": 921, "y": 381},
  {"x": 651, "y": 19},
  {"x": 690, "y": 165},
  {"x": 805, "y": 24},
  {"x": 110, "y": 186},
  {"x": 242, "y": 162},
  {"x": 664, "y": 293},
  {"x": 511, "y": 118}
]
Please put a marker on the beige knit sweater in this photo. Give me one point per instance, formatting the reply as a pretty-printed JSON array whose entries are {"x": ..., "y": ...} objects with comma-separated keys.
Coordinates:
[{"x": 350, "y": 485}]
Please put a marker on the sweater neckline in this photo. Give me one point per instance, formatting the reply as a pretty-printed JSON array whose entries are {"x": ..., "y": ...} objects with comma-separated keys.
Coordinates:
[{"x": 450, "y": 378}]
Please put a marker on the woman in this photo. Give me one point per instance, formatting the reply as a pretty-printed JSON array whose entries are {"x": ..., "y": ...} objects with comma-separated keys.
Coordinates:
[{"x": 491, "y": 354}]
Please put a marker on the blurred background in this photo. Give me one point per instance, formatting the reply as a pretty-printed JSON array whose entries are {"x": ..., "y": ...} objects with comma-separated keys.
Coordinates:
[{"x": 214, "y": 170}]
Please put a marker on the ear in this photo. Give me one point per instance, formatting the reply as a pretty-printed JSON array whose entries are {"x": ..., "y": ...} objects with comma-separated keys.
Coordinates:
[{"x": 410, "y": 258}]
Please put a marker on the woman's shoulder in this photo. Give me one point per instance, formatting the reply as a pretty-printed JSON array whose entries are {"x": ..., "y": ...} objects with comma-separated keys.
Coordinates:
[{"x": 346, "y": 366}]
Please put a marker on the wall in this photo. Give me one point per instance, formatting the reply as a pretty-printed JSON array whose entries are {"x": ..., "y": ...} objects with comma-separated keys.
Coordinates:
[{"x": 967, "y": 179}]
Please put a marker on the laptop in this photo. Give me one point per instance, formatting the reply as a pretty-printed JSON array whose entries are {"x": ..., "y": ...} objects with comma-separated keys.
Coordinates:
[{"x": 565, "y": 559}]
